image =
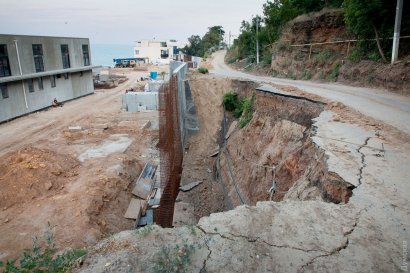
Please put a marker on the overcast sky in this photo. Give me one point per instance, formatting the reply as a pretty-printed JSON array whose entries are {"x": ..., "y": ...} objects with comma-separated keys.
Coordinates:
[{"x": 124, "y": 21}]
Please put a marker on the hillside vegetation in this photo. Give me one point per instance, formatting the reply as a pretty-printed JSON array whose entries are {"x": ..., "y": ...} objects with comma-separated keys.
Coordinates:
[
  {"x": 284, "y": 52},
  {"x": 371, "y": 21}
]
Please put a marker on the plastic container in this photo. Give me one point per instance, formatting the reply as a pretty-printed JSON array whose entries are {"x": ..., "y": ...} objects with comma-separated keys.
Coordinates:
[{"x": 154, "y": 75}]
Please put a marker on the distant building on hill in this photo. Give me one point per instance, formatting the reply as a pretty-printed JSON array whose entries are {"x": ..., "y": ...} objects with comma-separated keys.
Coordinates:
[
  {"x": 156, "y": 51},
  {"x": 36, "y": 69}
]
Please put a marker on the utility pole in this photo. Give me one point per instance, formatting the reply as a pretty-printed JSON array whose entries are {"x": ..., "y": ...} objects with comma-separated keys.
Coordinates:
[
  {"x": 396, "y": 38},
  {"x": 257, "y": 40},
  {"x": 229, "y": 40}
]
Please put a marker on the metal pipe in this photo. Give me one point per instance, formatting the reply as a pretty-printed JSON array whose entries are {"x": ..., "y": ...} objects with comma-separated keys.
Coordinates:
[{"x": 21, "y": 73}]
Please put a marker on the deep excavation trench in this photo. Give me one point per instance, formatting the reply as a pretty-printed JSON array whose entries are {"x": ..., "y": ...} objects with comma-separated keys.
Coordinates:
[{"x": 275, "y": 145}]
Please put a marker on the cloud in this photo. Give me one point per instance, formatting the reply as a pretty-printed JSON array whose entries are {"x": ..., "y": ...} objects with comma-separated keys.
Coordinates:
[{"x": 124, "y": 21}]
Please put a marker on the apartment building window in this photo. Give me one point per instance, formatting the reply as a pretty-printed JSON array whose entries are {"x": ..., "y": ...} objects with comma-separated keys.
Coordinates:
[
  {"x": 163, "y": 44},
  {"x": 38, "y": 58},
  {"x": 66, "y": 56},
  {"x": 4, "y": 91},
  {"x": 86, "y": 55},
  {"x": 4, "y": 62},
  {"x": 40, "y": 83},
  {"x": 53, "y": 81},
  {"x": 66, "y": 76},
  {"x": 164, "y": 54},
  {"x": 30, "y": 84},
  {"x": 137, "y": 52}
]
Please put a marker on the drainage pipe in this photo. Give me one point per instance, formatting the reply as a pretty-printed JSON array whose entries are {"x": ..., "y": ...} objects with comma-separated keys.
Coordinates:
[{"x": 21, "y": 73}]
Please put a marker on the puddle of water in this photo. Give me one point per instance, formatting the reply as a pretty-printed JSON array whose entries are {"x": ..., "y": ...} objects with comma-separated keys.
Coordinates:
[{"x": 114, "y": 144}]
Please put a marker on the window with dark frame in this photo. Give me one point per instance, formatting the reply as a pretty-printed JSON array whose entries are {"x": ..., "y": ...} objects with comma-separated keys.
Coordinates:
[
  {"x": 30, "y": 84},
  {"x": 53, "y": 81},
  {"x": 38, "y": 57},
  {"x": 4, "y": 90},
  {"x": 66, "y": 76},
  {"x": 40, "y": 83},
  {"x": 4, "y": 62},
  {"x": 65, "y": 56},
  {"x": 86, "y": 55}
]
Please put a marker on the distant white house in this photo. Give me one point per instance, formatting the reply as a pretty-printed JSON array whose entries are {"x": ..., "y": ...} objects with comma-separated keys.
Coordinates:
[{"x": 156, "y": 51}]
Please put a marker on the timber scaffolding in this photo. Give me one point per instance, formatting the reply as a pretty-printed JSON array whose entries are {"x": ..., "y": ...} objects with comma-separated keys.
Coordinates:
[{"x": 173, "y": 132}]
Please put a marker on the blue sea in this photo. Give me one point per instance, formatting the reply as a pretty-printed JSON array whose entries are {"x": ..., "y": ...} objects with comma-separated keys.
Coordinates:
[{"x": 102, "y": 54}]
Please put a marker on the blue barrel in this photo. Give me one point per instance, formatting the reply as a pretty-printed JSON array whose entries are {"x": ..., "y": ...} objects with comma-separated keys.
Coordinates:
[{"x": 154, "y": 75}]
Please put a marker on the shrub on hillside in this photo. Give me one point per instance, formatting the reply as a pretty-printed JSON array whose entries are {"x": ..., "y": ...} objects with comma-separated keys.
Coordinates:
[
  {"x": 203, "y": 70},
  {"x": 44, "y": 259}
]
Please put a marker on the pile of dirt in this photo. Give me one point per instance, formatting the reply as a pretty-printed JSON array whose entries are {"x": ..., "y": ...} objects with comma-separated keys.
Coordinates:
[{"x": 31, "y": 173}]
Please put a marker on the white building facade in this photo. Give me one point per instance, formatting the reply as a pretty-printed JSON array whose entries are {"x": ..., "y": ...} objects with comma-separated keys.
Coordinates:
[
  {"x": 36, "y": 69},
  {"x": 156, "y": 51}
]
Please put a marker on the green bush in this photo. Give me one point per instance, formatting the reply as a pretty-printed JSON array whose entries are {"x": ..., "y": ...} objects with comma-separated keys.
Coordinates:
[
  {"x": 307, "y": 75},
  {"x": 325, "y": 55},
  {"x": 356, "y": 55},
  {"x": 247, "y": 111},
  {"x": 230, "y": 101},
  {"x": 335, "y": 71},
  {"x": 241, "y": 108},
  {"x": 44, "y": 259},
  {"x": 203, "y": 70}
]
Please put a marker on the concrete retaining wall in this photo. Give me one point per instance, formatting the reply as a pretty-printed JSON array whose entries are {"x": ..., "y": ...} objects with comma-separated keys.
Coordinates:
[{"x": 132, "y": 101}]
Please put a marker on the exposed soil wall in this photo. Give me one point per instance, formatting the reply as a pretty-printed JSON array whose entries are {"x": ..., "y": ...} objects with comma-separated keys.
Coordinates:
[{"x": 276, "y": 145}]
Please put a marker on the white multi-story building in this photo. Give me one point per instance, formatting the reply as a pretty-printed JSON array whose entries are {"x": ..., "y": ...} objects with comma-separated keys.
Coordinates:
[
  {"x": 36, "y": 69},
  {"x": 156, "y": 51}
]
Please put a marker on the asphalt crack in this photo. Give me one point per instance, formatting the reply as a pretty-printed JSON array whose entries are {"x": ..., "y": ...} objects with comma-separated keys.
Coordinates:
[
  {"x": 336, "y": 250},
  {"x": 362, "y": 155}
]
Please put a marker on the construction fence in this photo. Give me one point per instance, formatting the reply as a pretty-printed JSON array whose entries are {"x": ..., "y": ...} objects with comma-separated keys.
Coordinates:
[{"x": 172, "y": 138}]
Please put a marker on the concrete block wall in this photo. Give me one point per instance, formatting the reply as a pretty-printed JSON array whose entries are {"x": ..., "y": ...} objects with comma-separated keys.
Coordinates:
[{"x": 132, "y": 101}]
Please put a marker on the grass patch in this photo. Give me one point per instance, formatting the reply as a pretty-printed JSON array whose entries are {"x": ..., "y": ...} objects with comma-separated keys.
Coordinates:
[{"x": 43, "y": 259}]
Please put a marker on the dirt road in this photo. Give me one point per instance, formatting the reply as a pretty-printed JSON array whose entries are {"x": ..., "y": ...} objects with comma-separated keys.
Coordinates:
[{"x": 388, "y": 107}]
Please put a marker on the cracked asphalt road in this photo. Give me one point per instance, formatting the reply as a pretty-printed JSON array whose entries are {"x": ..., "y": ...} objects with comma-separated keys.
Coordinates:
[{"x": 385, "y": 106}]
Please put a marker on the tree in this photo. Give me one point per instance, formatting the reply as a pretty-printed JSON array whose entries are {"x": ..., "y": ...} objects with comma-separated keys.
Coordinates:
[
  {"x": 195, "y": 46},
  {"x": 213, "y": 38},
  {"x": 374, "y": 19},
  {"x": 370, "y": 19}
]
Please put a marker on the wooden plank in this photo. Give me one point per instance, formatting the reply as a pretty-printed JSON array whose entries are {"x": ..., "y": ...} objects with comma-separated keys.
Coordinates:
[
  {"x": 134, "y": 209},
  {"x": 143, "y": 188}
]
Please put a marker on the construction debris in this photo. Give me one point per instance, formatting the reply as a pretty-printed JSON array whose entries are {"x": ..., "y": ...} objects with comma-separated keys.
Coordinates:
[
  {"x": 190, "y": 186},
  {"x": 144, "y": 184},
  {"x": 135, "y": 208},
  {"x": 74, "y": 128}
]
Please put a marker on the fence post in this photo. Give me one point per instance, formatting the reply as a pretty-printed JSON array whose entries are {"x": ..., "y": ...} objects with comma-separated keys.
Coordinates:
[
  {"x": 310, "y": 51},
  {"x": 348, "y": 48}
]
